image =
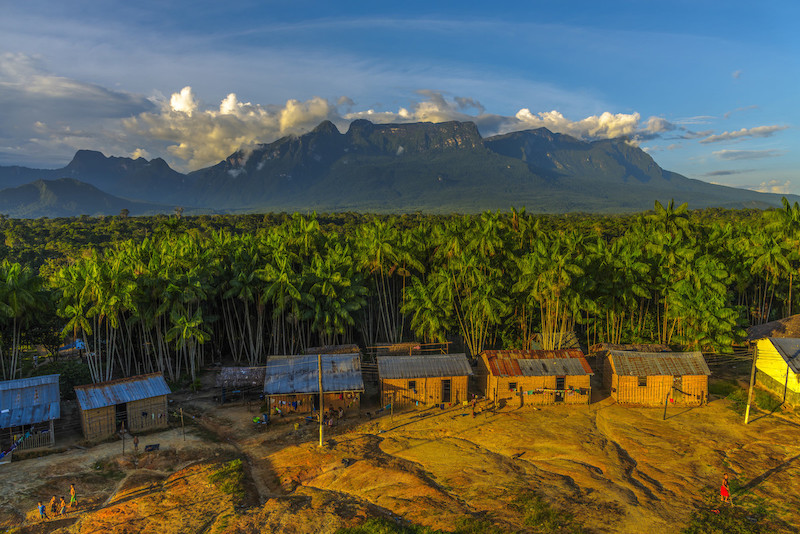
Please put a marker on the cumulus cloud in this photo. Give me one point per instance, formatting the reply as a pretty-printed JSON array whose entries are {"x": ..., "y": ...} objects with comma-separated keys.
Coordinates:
[
  {"x": 773, "y": 186},
  {"x": 201, "y": 137},
  {"x": 758, "y": 131},
  {"x": 736, "y": 74},
  {"x": 747, "y": 154}
]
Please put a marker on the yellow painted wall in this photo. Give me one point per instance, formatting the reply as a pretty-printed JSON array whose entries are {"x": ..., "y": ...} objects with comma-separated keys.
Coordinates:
[{"x": 771, "y": 363}]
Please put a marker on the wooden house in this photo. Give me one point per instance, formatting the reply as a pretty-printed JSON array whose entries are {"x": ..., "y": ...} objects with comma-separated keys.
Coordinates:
[
  {"x": 424, "y": 380},
  {"x": 520, "y": 378},
  {"x": 599, "y": 351},
  {"x": 653, "y": 378},
  {"x": 291, "y": 383},
  {"x": 778, "y": 367},
  {"x": 28, "y": 407},
  {"x": 136, "y": 404}
]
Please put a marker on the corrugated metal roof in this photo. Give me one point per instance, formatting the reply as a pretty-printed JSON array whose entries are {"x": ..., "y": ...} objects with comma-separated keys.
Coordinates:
[
  {"x": 509, "y": 362},
  {"x": 658, "y": 363},
  {"x": 29, "y": 400},
  {"x": 789, "y": 349},
  {"x": 788, "y": 327},
  {"x": 427, "y": 366},
  {"x": 636, "y": 347},
  {"x": 552, "y": 367},
  {"x": 333, "y": 349},
  {"x": 113, "y": 392},
  {"x": 232, "y": 377},
  {"x": 288, "y": 375}
]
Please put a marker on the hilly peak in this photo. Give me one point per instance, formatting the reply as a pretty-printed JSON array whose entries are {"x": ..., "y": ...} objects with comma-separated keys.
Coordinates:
[
  {"x": 326, "y": 127},
  {"x": 396, "y": 139}
]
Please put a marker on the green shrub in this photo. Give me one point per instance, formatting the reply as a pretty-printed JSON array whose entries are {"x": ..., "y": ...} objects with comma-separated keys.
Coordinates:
[
  {"x": 384, "y": 526},
  {"x": 542, "y": 517}
]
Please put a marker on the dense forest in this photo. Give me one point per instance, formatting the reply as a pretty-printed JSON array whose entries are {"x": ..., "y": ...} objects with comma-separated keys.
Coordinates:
[{"x": 174, "y": 293}]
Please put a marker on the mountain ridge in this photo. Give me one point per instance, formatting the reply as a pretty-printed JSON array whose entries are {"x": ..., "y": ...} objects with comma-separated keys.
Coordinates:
[{"x": 433, "y": 167}]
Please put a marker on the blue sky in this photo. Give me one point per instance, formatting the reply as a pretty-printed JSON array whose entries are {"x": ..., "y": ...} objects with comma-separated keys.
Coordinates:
[{"x": 708, "y": 89}]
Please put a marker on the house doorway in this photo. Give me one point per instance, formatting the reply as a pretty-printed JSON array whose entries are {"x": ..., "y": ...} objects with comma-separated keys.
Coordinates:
[
  {"x": 560, "y": 387},
  {"x": 446, "y": 391}
]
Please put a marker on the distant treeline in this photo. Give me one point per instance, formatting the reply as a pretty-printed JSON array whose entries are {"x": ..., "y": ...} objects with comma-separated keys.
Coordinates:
[{"x": 170, "y": 293}]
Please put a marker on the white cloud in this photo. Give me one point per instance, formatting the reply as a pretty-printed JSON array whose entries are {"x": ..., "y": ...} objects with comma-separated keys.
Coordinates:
[
  {"x": 758, "y": 131},
  {"x": 773, "y": 186},
  {"x": 203, "y": 137}
]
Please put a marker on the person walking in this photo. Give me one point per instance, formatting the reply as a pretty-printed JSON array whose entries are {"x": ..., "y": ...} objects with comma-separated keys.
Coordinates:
[
  {"x": 73, "y": 499},
  {"x": 136, "y": 444},
  {"x": 62, "y": 507},
  {"x": 42, "y": 511},
  {"x": 53, "y": 506}
]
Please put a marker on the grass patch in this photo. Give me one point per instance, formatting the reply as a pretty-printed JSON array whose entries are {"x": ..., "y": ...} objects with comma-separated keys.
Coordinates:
[
  {"x": 766, "y": 400},
  {"x": 385, "y": 526},
  {"x": 746, "y": 517},
  {"x": 229, "y": 479},
  {"x": 543, "y": 517},
  {"x": 107, "y": 470}
]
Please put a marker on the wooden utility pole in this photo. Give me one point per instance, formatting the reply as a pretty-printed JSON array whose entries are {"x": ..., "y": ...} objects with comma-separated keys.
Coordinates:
[
  {"x": 752, "y": 383},
  {"x": 666, "y": 402},
  {"x": 321, "y": 407}
]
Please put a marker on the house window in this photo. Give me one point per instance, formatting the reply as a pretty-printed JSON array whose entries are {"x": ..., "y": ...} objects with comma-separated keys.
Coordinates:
[
  {"x": 512, "y": 386},
  {"x": 412, "y": 385},
  {"x": 642, "y": 381}
]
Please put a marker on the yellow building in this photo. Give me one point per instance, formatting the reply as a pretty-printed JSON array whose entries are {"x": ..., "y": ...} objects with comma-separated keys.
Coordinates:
[{"x": 778, "y": 367}]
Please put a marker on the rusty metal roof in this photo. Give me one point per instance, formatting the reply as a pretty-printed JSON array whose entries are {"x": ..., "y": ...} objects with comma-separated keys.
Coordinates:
[
  {"x": 789, "y": 349},
  {"x": 427, "y": 366},
  {"x": 29, "y": 400},
  {"x": 658, "y": 363},
  {"x": 113, "y": 392},
  {"x": 333, "y": 349},
  {"x": 233, "y": 377},
  {"x": 516, "y": 362},
  {"x": 288, "y": 375}
]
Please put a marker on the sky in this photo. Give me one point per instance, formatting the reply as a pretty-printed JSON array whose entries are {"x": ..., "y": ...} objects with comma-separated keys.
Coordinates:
[{"x": 708, "y": 89}]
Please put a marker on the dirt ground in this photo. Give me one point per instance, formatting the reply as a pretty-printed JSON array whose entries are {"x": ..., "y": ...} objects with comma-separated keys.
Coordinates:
[{"x": 617, "y": 469}]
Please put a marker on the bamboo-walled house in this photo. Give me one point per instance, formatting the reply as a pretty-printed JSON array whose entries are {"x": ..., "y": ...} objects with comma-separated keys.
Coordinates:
[
  {"x": 653, "y": 378},
  {"x": 777, "y": 362},
  {"x": 520, "y": 378},
  {"x": 28, "y": 407},
  {"x": 599, "y": 351},
  {"x": 424, "y": 380},
  {"x": 291, "y": 383},
  {"x": 137, "y": 404}
]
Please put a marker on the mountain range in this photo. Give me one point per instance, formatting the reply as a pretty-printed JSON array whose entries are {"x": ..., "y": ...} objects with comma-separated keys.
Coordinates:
[{"x": 385, "y": 168}]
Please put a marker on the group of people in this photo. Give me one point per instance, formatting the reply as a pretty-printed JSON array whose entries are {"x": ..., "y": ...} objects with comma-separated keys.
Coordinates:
[
  {"x": 58, "y": 508},
  {"x": 329, "y": 417}
]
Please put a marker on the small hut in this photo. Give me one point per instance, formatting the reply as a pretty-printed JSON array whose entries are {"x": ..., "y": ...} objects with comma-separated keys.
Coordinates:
[
  {"x": 650, "y": 378},
  {"x": 292, "y": 383},
  {"x": 137, "y": 403},
  {"x": 778, "y": 367},
  {"x": 535, "y": 377},
  {"x": 28, "y": 407},
  {"x": 599, "y": 351},
  {"x": 424, "y": 380},
  {"x": 239, "y": 382}
]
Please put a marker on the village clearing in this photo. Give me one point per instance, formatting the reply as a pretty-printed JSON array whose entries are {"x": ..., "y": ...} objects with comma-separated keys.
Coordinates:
[{"x": 613, "y": 468}]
